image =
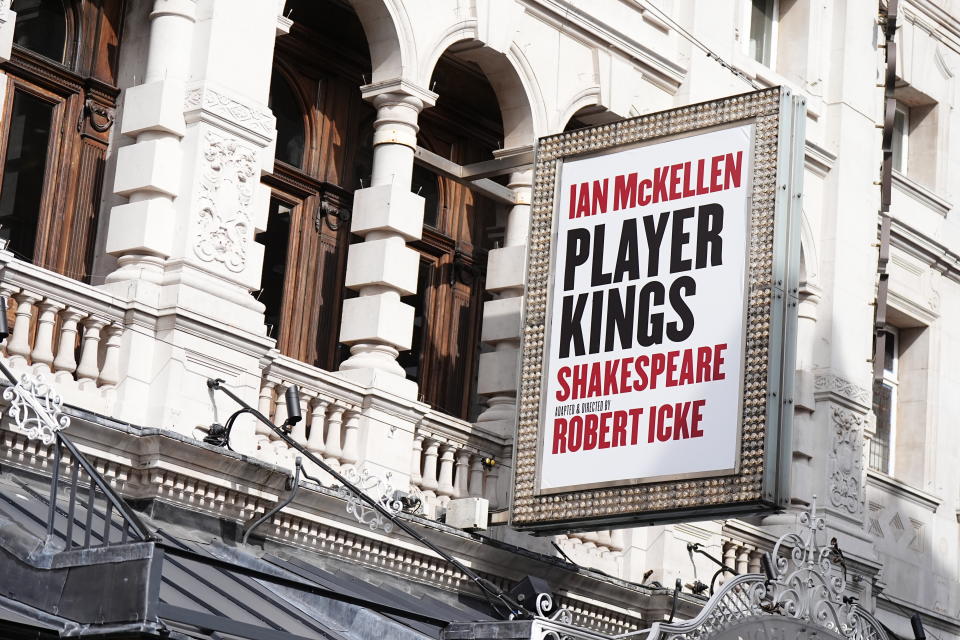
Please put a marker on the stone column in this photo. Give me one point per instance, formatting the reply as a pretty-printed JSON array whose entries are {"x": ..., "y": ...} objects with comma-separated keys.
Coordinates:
[
  {"x": 503, "y": 316},
  {"x": 184, "y": 241},
  {"x": 140, "y": 233},
  {"x": 382, "y": 268}
]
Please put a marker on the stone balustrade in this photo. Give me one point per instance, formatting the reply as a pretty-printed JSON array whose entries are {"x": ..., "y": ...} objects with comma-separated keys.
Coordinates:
[
  {"x": 64, "y": 329},
  {"x": 741, "y": 556},
  {"x": 451, "y": 460},
  {"x": 331, "y": 410},
  {"x": 595, "y": 549}
]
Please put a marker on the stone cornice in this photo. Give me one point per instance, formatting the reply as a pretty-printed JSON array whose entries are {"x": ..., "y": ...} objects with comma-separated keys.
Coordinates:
[
  {"x": 828, "y": 385},
  {"x": 936, "y": 255},
  {"x": 209, "y": 103},
  {"x": 657, "y": 69},
  {"x": 901, "y": 489},
  {"x": 921, "y": 194}
]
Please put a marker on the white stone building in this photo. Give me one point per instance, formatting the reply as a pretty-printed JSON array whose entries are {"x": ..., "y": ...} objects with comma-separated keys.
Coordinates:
[{"x": 334, "y": 194}]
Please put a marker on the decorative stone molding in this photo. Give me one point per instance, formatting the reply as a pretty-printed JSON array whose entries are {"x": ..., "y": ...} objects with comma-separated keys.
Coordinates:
[
  {"x": 834, "y": 385},
  {"x": 228, "y": 178},
  {"x": 846, "y": 461},
  {"x": 207, "y": 100}
]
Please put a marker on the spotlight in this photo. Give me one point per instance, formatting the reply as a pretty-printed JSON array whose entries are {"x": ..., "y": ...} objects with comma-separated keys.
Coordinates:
[
  {"x": 489, "y": 463},
  {"x": 917, "y": 623},
  {"x": 293, "y": 405}
]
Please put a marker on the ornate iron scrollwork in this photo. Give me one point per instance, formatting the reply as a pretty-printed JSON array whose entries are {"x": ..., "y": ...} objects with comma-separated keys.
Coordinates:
[
  {"x": 378, "y": 489},
  {"x": 806, "y": 588},
  {"x": 36, "y": 408}
]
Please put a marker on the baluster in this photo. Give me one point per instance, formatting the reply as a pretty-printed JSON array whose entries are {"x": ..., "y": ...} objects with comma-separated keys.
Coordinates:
[
  {"x": 110, "y": 372},
  {"x": 754, "y": 563},
  {"x": 332, "y": 447},
  {"x": 351, "y": 439},
  {"x": 42, "y": 355},
  {"x": 490, "y": 485},
  {"x": 416, "y": 460},
  {"x": 279, "y": 412},
  {"x": 19, "y": 344},
  {"x": 66, "y": 359},
  {"x": 729, "y": 559},
  {"x": 262, "y": 432},
  {"x": 604, "y": 540},
  {"x": 429, "y": 482},
  {"x": 318, "y": 418},
  {"x": 743, "y": 558},
  {"x": 281, "y": 452},
  {"x": 265, "y": 402},
  {"x": 9, "y": 292},
  {"x": 476, "y": 476},
  {"x": 617, "y": 540},
  {"x": 88, "y": 369},
  {"x": 445, "y": 484},
  {"x": 461, "y": 474}
]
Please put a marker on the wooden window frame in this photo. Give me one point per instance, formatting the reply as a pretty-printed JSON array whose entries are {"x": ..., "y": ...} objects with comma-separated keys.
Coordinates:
[{"x": 83, "y": 88}]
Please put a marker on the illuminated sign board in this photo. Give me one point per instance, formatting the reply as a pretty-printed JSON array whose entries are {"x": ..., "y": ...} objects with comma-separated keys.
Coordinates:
[{"x": 660, "y": 310}]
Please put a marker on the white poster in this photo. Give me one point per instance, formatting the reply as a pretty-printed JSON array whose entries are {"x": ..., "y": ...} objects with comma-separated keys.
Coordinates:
[{"x": 647, "y": 313}]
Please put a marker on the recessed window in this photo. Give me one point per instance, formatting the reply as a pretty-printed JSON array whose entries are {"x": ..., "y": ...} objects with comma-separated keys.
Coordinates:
[
  {"x": 426, "y": 185},
  {"x": 885, "y": 406},
  {"x": 24, "y": 167},
  {"x": 898, "y": 144},
  {"x": 290, "y": 133},
  {"x": 41, "y": 27},
  {"x": 763, "y": 23},
  {"x": 276, "y": 241}
]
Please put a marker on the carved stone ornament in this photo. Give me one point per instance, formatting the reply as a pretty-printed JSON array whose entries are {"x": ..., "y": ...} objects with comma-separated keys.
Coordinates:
[
  {"x": 844, "y": 388},
  {"x": 846, "y": 460},
  {"x": 256, "y": 120},
  {"x": 36, "y": 408},
  {"x": 227, "y": 182},
  {"x": 804, "y": 598}
]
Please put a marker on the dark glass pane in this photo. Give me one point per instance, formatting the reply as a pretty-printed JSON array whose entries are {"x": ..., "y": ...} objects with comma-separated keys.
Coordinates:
[
  {"x": 411, "y": 360},
  {"x": 426, "y": 185},
  {"x": 761, "y": 30},
  {"x": 41, "y": 27},
  {"x": 276, "y": 240},
  {"x": 880, "y": 445},
  {"x": 23, "y": 169},
  {"x": 889, "y": 351},
  {"x": 290, "y": 134}
]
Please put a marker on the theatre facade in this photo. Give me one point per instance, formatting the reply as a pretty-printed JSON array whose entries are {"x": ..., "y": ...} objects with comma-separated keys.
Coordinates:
[{"x": 206, "y": 203}]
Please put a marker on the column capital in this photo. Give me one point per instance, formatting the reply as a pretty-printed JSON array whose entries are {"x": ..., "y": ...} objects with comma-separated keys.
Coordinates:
[{"x": 398, "y": 91}]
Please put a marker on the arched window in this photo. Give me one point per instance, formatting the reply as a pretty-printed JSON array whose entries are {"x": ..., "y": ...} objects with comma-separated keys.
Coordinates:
[
  {"x": 55, "y": 126},
  {"x": 290, "y": 130},
  {"x": 41, "y": 27},
  {"x": 323, "y": 154}
]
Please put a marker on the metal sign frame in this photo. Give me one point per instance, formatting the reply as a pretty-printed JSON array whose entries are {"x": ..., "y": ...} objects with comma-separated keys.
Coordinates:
[{"x": 759, "y": 483}]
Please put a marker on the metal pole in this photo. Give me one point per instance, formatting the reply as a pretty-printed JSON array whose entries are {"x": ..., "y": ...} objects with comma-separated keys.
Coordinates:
[{"x": 484, "y": 585}]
